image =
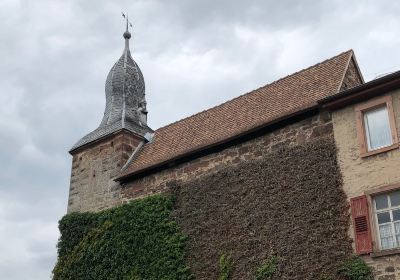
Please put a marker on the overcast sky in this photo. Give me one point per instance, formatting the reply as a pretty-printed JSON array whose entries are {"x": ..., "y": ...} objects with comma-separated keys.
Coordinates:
[{"x": 55, "y": 56}]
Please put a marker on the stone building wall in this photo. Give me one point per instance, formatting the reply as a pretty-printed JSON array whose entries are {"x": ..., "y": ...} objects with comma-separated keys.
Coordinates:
[
  {"x": 367, "y": 174},
  {"x": 93, "y": 169},
  {"x": 291, "y": 135}
]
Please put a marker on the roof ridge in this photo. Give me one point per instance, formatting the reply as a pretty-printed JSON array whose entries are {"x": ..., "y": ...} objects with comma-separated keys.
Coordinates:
[{"x": 254, "y": 90}]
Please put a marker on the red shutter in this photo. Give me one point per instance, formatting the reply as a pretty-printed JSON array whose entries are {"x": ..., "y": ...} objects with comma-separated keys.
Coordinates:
[{"x": 362, "y": 228}]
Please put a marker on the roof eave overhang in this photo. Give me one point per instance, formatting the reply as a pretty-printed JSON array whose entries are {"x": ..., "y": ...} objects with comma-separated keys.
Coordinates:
[
  {"x": 362, "y": 92},
  {"x": 301, "y": 114}
]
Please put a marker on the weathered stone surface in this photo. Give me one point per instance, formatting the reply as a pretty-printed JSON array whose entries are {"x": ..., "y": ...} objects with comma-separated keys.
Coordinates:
[
  {"x": 386, "y": 267},
  {"x": 92, "y": 186}
]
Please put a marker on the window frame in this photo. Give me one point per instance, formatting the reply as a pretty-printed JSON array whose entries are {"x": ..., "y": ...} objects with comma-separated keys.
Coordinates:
[
  {"x": 390, "y": 210},
  {"x": 360, "y": 111},
  {"x": 375, "y": 235}
]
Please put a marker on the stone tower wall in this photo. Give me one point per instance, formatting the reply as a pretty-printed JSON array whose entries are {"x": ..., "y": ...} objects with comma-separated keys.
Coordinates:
[{"x": 92, "y": 186}]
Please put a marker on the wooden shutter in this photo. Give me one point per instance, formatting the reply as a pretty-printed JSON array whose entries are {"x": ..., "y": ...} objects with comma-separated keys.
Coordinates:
[{"x": 361, "y": 224}]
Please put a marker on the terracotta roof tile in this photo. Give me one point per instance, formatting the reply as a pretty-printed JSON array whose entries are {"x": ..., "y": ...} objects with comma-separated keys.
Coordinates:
[{"x": 283, "y": 97}]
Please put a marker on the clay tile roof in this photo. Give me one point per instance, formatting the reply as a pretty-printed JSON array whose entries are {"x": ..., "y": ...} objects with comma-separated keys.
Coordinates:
[{"x": 281, "y": 98}]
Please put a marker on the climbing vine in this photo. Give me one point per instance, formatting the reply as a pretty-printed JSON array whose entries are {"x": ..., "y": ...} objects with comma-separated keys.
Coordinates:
[
  {"x": 135, "y": 241},
  {"x": 355, "y": 268},
  {"x": 290, "y": 204},
  {"x": 267, "y": 269},
  {"x": 225, "y": 267}
]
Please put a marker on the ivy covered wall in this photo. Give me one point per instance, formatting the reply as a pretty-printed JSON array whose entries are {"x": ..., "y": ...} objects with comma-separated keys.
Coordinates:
[
  {"x": 284, "y": 216},
  {"x": 137, "y": 241},
  {"x": 289, "y": 206}
]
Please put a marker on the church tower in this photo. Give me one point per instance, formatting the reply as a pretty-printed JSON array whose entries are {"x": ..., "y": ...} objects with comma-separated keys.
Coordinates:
[{"x": 100, "y": 155}]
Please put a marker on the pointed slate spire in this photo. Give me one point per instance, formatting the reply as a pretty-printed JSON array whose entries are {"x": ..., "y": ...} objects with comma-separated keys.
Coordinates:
[{"x": 125, "y": 99}]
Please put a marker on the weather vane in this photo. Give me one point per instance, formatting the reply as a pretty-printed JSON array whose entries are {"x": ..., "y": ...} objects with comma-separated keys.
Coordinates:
[{"x": 127, "y": 20}]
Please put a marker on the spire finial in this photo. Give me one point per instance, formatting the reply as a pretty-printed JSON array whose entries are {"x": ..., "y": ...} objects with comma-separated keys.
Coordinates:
[{"x": 127, "y": 34}]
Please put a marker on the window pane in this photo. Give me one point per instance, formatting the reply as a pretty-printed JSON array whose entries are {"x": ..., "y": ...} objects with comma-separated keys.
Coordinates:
[
  {"x": 381, "y": 202},
  {"x": 383, "y": 218},
  {"x": 397, "y": 232},
  {"x": 396, "y": 215},
  {"x": 395, "y": 198},
  {"x": 377, "y": 128},
  {"x": 397, "y": 228},
  {"x": 387, "y": 240}
]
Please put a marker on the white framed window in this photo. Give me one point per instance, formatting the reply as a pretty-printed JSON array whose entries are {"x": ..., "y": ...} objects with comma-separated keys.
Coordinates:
[
  {"x": 377, "y": 128},
  {"x": 387, "y": 217}
]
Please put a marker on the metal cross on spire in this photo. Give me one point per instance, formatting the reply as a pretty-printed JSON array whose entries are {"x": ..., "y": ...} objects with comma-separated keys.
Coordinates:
[{"x": 128, "y": 23}]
